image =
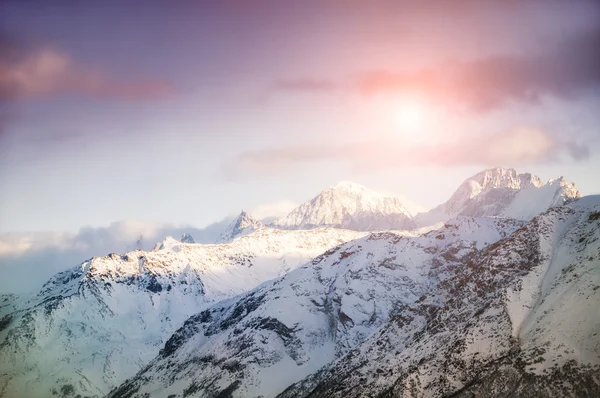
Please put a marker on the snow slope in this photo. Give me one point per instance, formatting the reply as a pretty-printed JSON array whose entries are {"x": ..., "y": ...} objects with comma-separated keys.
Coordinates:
[
  {"x": 476, "y": 304},
  {"x": 502, "y": 193},
  {"x": 480, "y": 307},
  {"x": 287, "y": 329},
  {"x": 519, "y": 319},
  {"x": 350, "y": 206},
  {"x": 91, "y": 327}
]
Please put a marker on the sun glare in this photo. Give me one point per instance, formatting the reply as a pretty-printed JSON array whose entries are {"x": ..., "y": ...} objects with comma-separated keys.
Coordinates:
[{"x": 409, "y": 115}]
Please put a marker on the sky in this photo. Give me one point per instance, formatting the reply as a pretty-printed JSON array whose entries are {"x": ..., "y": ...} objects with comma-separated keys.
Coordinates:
[{"x": 182, "y": 114}]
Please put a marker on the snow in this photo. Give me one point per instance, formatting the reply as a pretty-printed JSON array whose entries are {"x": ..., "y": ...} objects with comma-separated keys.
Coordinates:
[
  {"x": 244, "y": 224},
  {"x": 348, "y": 205},
  {"x": 502, "y": 193},
  {"x": 107, "y": 324},
  {"x": 339, "y": 300},
  {"x": 493, "y": 273}
]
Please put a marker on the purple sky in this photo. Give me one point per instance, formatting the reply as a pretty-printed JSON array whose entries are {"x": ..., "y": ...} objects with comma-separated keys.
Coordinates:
[{"x": 186, "y": 112}]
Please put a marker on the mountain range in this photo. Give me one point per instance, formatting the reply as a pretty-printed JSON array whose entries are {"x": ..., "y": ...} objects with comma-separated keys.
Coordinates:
[{"x": 494, "y": 293}]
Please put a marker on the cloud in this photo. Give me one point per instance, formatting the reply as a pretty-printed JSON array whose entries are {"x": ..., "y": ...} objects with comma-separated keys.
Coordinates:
[
  {"x": 577, "y": 150},
  {"x": 27, "y": 260},
  {"x": 305, "y": 84},
  {"x": 45, "y": 72},
  {"x": 515, "y": 147},
  {"x": 35, "y": 72},
  {"x": 271, "y": 211},
  {"x": 489, "y": 83},
  {"x": 564, "y": 70},
  {"x": 298, "y": 85}
]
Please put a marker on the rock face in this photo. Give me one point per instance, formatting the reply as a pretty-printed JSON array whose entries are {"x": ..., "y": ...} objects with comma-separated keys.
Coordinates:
[
  {"x": 91, "y": 327},
  {"x": 480, "y": 307},
  {"x": 502, "y": 193},
  {"x": 244, "y": 224},
  {"x": 516, "y": 319},
  {"x": 350, "y": 206},
  {"x": 186, "y": 238}
]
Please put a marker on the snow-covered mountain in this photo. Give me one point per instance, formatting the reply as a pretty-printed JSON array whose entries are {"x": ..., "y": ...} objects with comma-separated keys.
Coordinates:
[
  {"x": 92, "y": 326},
  {"x": 350, "y": 206},
  {"x": 483, "y": 298},
  {"x": 339, "y": 299},
  {"x": 243, "y": 224},
  {"x": 502, "y": 193},
  {"x": 480, "y": 307},
  {"x": 519, "y": 319}
]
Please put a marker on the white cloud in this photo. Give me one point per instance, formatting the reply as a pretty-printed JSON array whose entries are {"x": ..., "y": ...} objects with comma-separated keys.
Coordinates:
[
  {"x": 272, "y": 210},
  {"x": 27, "y": 260}
]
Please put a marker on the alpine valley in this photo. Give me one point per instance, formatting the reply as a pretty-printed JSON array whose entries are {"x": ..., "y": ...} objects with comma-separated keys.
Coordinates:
[{"x": 494, "y": 293}]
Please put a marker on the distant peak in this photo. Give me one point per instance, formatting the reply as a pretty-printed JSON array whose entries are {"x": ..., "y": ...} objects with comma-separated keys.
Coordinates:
[
  {"x": 500, "y": 170},
  {"x": 241, "y": 224},
  {"x": 186, "y": 238},
  {"x": 352, "y": 188},
  {"x": 502, "y": 184},
  {"x": 348, "y": 205},
  {"x": 244, "y": 217},
  {"x": 347, "y": 185},
  {"x": 495, "y": 173},
  {"x": 500, "y": 177}
]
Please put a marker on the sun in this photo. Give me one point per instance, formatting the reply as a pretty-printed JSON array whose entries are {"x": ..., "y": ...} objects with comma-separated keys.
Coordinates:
[{"x": 409, "y": 116}]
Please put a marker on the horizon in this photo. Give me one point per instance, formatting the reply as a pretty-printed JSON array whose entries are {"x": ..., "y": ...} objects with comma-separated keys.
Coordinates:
[
  {"x": 280, "y": 208},
  {"x": 21, "y": 252}
]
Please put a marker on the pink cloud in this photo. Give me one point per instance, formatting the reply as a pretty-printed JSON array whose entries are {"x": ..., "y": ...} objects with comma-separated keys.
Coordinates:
[
  {"x": 304, "y": 84},
  {"x": 516, "y": 147},
  {"x": 48, "y": 72},
  {"x": 567, "y": 69}
]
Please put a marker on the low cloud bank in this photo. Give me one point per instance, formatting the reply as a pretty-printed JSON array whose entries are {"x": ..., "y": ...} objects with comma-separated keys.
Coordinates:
[{"x": 27, "y": 260}]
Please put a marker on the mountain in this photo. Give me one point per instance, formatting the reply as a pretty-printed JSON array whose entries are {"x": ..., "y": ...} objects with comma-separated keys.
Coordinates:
[
  {"x": 350, "y": 206},
  {"x": 519, "y": 319},
  {"x": 502, "y": 193},
  {"x": 482, "y": 307},
  {"x": 242, "y": 225},
  {"x": 186, "y": 238},
  {"x": 8, "y": 303},
  {"x": 256, "y": 346},
  {"x": 91, "y": 327},
  {"x": 492, "y": 301}
]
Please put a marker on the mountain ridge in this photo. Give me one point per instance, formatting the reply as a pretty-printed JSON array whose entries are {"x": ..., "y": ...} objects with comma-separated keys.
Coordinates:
[
  {"x": 91, "y": 326},
  {"x": 502, "y": 192},
  {"x": 350, "y": 206}
]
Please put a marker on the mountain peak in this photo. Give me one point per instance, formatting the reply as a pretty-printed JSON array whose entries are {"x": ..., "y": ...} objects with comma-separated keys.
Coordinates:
[
  {"x": 245, "y": 220},
  {"x": 503, "y": 192},
  {"x": 504, "y": 178},
  {"x": 351, "y": 206},
  {"x": 186, "y": 238},
  {"x": 349, "y": 186},
  {"x": 241, "y": 225},
  {"x": 490, "y": 179}
]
